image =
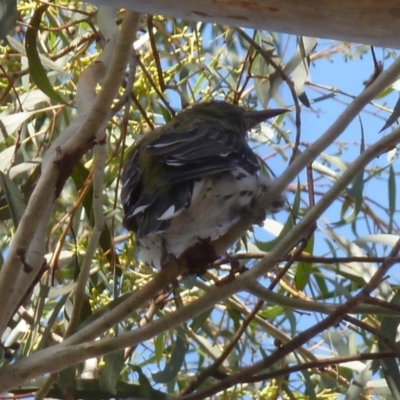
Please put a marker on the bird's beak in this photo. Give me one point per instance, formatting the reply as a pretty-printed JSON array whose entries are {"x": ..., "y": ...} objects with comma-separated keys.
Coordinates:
[{"x": 254, "y": 118}]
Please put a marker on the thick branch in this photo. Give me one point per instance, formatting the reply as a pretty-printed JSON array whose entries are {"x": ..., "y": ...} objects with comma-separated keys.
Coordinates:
[{"x": 359, "y": 21}]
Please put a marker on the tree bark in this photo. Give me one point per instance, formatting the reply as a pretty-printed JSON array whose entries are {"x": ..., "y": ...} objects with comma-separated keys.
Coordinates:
[{"x": 373, "y": 22}]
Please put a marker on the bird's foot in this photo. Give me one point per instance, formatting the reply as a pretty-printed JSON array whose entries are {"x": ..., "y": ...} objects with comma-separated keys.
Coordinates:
[
  {"x": 168, "y": 259},
  {"x": 236, "y": 268},
  {"x": 161, "y": 299}
]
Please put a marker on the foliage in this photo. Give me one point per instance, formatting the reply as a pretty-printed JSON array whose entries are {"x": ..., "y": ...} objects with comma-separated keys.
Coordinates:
[{"x": 281, "y": 336}]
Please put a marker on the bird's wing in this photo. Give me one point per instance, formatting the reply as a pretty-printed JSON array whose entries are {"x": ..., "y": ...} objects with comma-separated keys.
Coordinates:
[
  {"x": 207, "y": 150},
  {"x": 149, "y": 212},
  {"x": 131, "y": 190},
  {"x": 186, "y": 157},
  {"x": 162, "y": 206}
]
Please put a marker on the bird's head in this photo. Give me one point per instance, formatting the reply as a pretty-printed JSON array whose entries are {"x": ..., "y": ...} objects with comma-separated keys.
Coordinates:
[{"x": 228, "y": 113}]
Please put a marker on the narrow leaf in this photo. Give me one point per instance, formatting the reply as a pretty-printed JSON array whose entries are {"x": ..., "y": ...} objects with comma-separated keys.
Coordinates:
[
  {"x": 303, "y": 270},
  {"x": 392, "y": 197},
  {"x": 36, "y": 70},
  {"x": 390, "y": 368},
  {"x": 111, "y": 371},
  {"x": 174, "y": 365},
  {"x": 357, "y": 189},
  {"x": 8, "y": 17},
  {"x": 393, "y": 116},
  {"x": 14, "y": 198}
]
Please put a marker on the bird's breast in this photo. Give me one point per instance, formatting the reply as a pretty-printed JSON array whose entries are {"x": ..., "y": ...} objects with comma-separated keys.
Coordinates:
[{"x": 217, "y": 203}]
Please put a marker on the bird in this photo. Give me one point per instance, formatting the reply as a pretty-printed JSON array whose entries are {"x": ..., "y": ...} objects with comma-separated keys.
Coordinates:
[{"x": 190, "y": 180}]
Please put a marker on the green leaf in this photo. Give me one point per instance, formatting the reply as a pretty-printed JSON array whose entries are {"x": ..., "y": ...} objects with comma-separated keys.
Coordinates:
[
  {"x": 200, "y": 320},
  {"x": 79, "y": 176},
  {"x": 165, "y": 112},
  {"x": 271, "y": 312},
  {"x": 14, "y": 198},
  {"x": 66, "y": 378},
  {"x": 361, "y": 382},
  {"x": 392, "y": 197},
  {"x": 394, "y": 116},
  {"x": 382, "y": 238},
  {"x": 390, "y": 368},
  {"x": 357, "y": 188},
  {"x": 268, "y": 246},
  {"x": 111, "y": 371},
  {"x": 146, "y": 389},
  {"x": 289, "y": 224},
  {"x": 159, "y": 347},
  {"x": 8, "y": 16},
  {"x": 303, "y": 270},
  {"x": 309, "y": 384},
  {"x": 260, "y": 69},
  {"x": 104, "y": 310},
  {"x": 36, "y": 70},
  {"x": 174, "y": 364},
  {"x": 301, "y": 71}
]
